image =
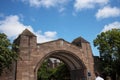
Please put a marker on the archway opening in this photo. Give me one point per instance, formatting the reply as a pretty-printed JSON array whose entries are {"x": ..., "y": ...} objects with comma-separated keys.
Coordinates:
[
  {"x": 73, "y": 68},
  {"x": 53, "y": 69}
]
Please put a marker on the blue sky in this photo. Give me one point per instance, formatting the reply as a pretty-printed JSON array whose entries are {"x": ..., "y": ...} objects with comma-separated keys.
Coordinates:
[{"x": 53, "y": 19}]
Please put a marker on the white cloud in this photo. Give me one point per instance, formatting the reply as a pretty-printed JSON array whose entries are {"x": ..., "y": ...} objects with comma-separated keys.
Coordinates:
[
  {"x": 50, "y": 34},
  {"x": 47, "y": 36},
  {"x": 12, "y": 27},
  {"x": 110, "y": 26},
  {"x": 87, "y": 4},
  {"x": 107, "y": 12},
  {"x": 46, "y": 3}
]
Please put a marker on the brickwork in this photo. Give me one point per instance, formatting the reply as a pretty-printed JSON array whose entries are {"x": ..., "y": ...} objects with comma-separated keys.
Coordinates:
[{"x": 32, "y": 54}]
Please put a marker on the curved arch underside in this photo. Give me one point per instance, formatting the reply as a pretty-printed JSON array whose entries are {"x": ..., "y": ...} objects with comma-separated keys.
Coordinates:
[
  {"x": 75, "y": 64},
  {"x": 72, "y": 61}
]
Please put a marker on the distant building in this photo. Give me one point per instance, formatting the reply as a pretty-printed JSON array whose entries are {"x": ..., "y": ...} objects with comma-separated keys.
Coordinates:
[{"x": 53, "y": 62}]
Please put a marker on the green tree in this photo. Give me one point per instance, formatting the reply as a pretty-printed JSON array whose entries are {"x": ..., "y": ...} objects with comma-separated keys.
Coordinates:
[
  {"x": 62, "y": 72},
  {"x": 108, "y": 44},
  {"x": 44, "y": 72},
  {"x": 7, "y": 55}
]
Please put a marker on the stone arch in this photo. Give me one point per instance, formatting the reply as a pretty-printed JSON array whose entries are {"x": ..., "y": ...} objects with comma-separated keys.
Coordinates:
[
  {"x": 77, "y": 55},
  {"x": 76, "y": 66}
]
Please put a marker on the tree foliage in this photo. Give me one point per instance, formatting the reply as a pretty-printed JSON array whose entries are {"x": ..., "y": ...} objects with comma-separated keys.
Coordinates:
[
  {"x": 7, "y": 55},
  {"x": 44, "y": 71},
  {"x": 60, "y": 72},
  {"x": 108, "y": 44}
]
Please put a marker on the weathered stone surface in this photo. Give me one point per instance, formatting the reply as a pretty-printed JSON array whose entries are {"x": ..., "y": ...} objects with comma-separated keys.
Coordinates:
[{"x": 78, "y": 58}]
